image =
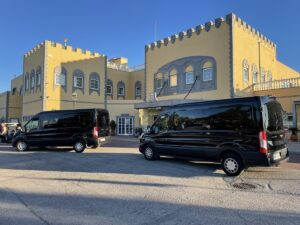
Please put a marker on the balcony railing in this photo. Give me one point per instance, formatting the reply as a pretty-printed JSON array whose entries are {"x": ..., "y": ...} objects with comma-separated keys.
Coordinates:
[
  {"x": 116, "y": 66},
  {"x": 277, "y": 84}
]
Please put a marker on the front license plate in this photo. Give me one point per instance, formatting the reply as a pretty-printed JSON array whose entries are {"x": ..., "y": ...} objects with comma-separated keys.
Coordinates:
[
  {"x": 102, "y": 139},
  {"x": 276, "y": 155}
]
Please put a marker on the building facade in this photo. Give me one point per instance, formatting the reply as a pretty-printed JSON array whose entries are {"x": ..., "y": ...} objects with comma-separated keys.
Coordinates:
[{"x": 224, "y": 58}]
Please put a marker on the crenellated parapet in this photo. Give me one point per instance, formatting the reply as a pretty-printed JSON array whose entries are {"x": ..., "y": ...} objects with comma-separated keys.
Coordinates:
[
  {"x": 242, "y": 24},
  {"x": 35, "y": 49},
  {"x": 208, "y": 27},
  {"x": 66, "y": 48}
]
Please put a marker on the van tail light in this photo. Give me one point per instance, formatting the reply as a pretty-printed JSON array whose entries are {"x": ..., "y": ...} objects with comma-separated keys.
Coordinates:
[
  {"x": 263, "y": 142},
  {"x": 96, "y": 132}
]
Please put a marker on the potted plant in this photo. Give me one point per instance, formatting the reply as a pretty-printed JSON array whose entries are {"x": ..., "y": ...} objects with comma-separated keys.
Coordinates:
[
  {"x": 112, "y": 125},
  {"x": 294, "y": 135}
]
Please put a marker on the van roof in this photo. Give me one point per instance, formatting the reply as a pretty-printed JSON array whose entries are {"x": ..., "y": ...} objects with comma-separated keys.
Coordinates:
[
  {"x": 72, "y": 110},
  {"x": 242, "y": 99}
]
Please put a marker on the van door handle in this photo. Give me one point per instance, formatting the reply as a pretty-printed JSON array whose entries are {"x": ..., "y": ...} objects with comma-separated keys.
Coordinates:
[{"x": 207, "y": 133}]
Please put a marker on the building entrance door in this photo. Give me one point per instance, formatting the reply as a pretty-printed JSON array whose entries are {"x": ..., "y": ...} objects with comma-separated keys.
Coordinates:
[{"x": 125, "y": 125}]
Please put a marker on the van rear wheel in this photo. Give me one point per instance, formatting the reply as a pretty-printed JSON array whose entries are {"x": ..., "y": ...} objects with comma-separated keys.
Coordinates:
[
  {"x": 22, "y": 146},
  {"x": 79, "y": 146},
  {"x": 232, "y": 164}
]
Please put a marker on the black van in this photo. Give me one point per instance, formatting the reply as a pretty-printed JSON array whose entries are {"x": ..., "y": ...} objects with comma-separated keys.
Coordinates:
[
  {"x": 237, "y": 132},
  {"x": 78, "y": 128}
]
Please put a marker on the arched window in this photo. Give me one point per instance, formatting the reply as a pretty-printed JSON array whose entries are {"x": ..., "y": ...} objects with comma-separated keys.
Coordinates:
[
  {"x": 189, "y": 75},
  {"x": 263, "y": 76},
  {"x": 38, "y": 76},
  {"x": 159, "y": 81},
  {"x": 78, "y": 79},
  {"x": 173, "y": 78},
  {"x": 254, "y": 73},
  {"x": 27, "y": 81},
  {"x": 121, "y": 89},
  {"x": 245, "y": 70},
  {"x": 32, "y": 80},
  {"x": 94, "y": 81},
  {"x": 138, "y": 89},
  {"x": 208, "y": 71},
  {"x": 109, "y": 87}
]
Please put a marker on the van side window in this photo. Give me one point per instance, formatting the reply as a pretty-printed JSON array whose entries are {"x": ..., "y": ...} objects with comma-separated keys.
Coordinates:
[
  {"x": 49, "y": 121},
  {"x": 161, "y": 124},
  {"x": 232, "y": 117},
  {"x": 68, "y": 120}
]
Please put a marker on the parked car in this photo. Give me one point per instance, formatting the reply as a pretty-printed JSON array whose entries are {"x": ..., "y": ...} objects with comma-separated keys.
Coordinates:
[
  {"x": 77, "y": 128},
  {"x": 238, "y": 132}
]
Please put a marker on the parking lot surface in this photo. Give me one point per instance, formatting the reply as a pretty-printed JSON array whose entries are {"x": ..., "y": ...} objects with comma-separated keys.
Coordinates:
[{"x": 115, "y": 185}]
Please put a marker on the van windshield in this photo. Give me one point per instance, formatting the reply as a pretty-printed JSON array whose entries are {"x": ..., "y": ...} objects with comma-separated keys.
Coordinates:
[{"x": 274, "y": 120}]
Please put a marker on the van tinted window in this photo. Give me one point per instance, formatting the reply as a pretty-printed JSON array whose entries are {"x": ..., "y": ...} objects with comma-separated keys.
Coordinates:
[
  {"x": 103, "y": 120},
  {"x": 274, "y": 121},
  {"x": 49, "y": 121},
  {"x": 86, "y": 119},
  {"x": 232, "y": 117}
]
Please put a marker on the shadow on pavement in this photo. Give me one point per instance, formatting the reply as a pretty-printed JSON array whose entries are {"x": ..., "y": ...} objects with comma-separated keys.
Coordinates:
[
  {"x": 42, "y": 208},
  {"x": 103, "y": 162}
]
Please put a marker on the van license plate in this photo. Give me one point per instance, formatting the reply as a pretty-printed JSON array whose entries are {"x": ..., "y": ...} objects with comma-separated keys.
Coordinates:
[
  {"x": 276, "y": 155},
  {"x": 102, "y": 139}
]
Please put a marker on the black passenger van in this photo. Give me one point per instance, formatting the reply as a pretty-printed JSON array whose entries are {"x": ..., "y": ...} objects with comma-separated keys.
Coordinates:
[
  {"x": 237, "y": 132},
  {"x": 78, "y": 128}
]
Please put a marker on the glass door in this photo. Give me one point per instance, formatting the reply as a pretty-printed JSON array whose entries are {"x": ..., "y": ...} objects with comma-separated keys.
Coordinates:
[{"x": 125, "y": 126}]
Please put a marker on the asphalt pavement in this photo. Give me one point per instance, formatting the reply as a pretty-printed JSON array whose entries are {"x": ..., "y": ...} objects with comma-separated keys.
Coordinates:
[{"x": 115, "y": 185}]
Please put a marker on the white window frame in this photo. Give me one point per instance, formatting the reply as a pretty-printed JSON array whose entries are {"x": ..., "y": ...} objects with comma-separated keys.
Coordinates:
[
  {"x": 96, "y": 81},
  {"x": 26, "y": 83},
  {"x": 123, "y": 92},
  {"x": 32, "y": 82},
  {"x": 138, "y": 93},
  {"x": 76, "y": 78},
  {"x": 109, "y": 93},
  {"x": 187, "y": 74},
  {"x": 157, "y": 82},
  {"x": 38, "y": 79},
  {"x": 60, "y": 79},
  {"x": 205, "y": 75}
]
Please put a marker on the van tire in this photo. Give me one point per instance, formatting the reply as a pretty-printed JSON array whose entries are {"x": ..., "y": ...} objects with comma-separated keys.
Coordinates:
[
  {"x": 232, "y": 164},
  {"x": 79, "y": 146},
  {"x": 22, "y": 146},
  {"x": 149, "y": 153}
]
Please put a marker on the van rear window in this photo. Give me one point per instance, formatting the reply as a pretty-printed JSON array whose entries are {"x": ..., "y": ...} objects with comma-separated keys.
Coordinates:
[{"x": 274, "y": 120}]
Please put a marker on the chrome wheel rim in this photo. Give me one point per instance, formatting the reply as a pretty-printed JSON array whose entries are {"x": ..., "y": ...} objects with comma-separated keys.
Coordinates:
[
  {"x": 148, "y": 153},
  {"x": 22, "y": 145},
  {"x": 78, "y": 146},
  {"x": 231, "y": 165}
]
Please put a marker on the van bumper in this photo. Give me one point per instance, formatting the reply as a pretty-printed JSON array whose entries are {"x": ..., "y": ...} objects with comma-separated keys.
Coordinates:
[
  {"x": 271, "y": 159},
  {"x": 104, "y": 140}
]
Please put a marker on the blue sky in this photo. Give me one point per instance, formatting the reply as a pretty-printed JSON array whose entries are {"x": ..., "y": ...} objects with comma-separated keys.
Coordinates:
[{"x": 122, "y": 28}]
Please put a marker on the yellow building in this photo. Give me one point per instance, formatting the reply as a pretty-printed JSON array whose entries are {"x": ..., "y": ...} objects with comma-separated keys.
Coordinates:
[
  {"x": 223, "y": 58},
  {"x": 60, "y": 77}
]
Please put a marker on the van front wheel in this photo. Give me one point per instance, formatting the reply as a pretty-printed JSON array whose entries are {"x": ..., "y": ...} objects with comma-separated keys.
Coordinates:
[
  {"x": 232, "y": 164},
  {"x": 79, "y": 146},
  {"x": 22, "y": 146},
  {"x": 149, "y": 153}
]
